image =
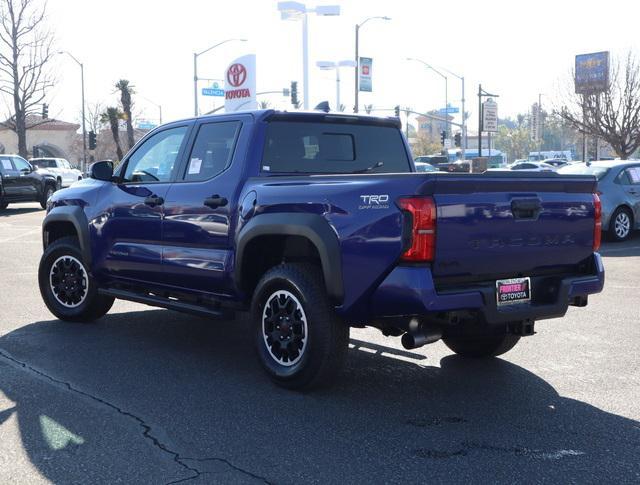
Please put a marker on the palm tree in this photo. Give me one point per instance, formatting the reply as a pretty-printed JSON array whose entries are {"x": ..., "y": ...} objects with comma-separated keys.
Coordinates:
[
  {"x": 112, "y": 116},
  {"x": 126, "y": 90},
  {"x": 265, "y": 105}
]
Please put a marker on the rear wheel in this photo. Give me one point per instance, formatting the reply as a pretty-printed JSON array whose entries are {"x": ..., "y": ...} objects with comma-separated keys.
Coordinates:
[
  {"x": 300, "y": 341},
  {"x": 478, "y": 347},
  {"x": 621, "y": 224},
  {"x": 66, "y": 286}
]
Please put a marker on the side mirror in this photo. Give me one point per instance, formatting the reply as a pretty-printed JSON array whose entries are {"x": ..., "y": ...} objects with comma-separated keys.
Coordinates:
[{"x": 102, "y": 170}]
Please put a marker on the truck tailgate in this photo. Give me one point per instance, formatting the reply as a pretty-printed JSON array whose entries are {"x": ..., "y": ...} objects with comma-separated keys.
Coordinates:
[{"x": 501, "y": 226}]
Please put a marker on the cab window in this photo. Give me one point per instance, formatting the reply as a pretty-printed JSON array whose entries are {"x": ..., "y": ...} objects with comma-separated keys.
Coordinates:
[
  {"x": 155, "y": 159},
  {"x": 212, "y": 150}
]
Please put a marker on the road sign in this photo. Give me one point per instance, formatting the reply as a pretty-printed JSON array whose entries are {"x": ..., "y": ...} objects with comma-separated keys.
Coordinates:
[
  {"x": 449, "y": 110},
  {"x": 146, "y": 125},
  {"x": 212, "y": 92},
  {"x": 592, "y": 73},
  {"x": 490, "y": 116}
]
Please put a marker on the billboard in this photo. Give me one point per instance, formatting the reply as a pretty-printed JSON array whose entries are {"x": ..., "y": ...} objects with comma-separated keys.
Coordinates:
[
  {"x": 592, "y": 73},
  {"x": 490, "y": 116},
  {"x": 365, "y": 67},
  {"x": 240, "y": 81}
]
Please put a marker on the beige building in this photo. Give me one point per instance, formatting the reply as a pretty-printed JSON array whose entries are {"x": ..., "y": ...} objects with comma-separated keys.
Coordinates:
[{"x": 45, "y": 138}]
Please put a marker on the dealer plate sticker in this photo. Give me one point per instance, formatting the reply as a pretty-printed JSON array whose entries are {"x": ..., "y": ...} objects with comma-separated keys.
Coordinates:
[{"x": 514, "y": 290}]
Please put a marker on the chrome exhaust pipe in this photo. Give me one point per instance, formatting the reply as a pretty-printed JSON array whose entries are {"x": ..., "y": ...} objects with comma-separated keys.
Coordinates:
[{"x": 421, "y": 336}]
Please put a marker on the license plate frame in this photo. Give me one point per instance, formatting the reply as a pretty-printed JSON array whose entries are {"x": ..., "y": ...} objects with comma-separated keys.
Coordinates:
[{"x": 513, "y": 291}]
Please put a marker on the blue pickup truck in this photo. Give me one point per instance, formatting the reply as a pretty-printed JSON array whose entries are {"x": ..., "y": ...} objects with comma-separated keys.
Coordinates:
[{"x": 318, "y": 222}]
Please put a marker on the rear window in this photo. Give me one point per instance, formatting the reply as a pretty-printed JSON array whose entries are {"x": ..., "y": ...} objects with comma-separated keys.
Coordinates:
[
  {"x": 582, "y": 169},
  {"x": 304, "y": 147}
]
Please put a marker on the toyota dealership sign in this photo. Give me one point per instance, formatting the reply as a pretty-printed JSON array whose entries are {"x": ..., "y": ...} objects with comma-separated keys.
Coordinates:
[{"x": 240, "y": 77}]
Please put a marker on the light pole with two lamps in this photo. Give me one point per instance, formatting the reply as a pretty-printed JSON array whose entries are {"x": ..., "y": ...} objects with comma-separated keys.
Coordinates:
[{"x": 299, "y": 11}]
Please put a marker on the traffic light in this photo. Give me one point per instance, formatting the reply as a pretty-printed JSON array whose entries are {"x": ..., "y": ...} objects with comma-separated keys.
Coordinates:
[
  {"x": 443, "y": 137},
  {"x": 397, "y": 110},
  {"x": 294, "y": 94},
  {"x": 457, "y": 139},
  {"x": 92, "y": 140},
  {"x": 45, "y": 111}
]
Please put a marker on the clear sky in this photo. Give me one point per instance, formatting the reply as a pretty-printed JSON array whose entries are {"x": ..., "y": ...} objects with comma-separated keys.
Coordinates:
[{"x": 516, "y": 49}]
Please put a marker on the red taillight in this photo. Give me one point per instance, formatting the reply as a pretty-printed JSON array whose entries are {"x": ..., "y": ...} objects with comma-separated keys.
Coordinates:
[
  {"x": 423, "y": 228},
  {"x": 597, "y": 224}
]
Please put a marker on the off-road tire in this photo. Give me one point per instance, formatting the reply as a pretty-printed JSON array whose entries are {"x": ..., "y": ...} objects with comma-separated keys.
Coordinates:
[
  {"x": 92, "y": 306},
  {"x": 481, "y": 347},
  {"x": 314, "y": 360}
]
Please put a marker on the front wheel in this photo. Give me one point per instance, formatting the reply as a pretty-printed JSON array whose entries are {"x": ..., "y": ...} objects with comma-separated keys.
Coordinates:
[
  {"x": 48, "y": 192},
  {"x": 300, "y": 341},
  {"x": 66, "y": 286},
  {"x": 479, "y": 347}
]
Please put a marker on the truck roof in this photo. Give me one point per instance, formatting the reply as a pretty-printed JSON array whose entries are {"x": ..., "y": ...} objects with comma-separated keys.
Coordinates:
[{"x": 271, "y": 114}]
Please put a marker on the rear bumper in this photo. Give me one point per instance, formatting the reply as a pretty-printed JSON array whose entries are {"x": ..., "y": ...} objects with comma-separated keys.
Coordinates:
[{"x": 410, "y": 291}]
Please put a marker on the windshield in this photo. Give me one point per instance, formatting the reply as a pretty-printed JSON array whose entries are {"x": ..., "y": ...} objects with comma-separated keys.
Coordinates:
[
  {"x": 333, "y": 148},
  {"x": 582, "y": 169},
  {"x": 44, "y": 163}
]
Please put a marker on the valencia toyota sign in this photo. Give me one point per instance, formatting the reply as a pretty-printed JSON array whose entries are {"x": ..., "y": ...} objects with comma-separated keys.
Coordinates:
[{"x": 240, "y": 92}]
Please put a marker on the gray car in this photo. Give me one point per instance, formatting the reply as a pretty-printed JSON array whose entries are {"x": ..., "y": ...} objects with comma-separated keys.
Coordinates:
[{"x": 619, "y": 191}]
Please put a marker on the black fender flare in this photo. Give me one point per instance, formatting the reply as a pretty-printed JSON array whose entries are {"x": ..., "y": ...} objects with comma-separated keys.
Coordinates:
[
  {"x": 76, "y": 216},
  {"x": 311, "y": 226}
]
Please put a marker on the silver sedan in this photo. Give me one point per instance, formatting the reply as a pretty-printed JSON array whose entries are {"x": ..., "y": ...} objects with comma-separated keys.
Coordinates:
[{"x": 619, "y": 191}]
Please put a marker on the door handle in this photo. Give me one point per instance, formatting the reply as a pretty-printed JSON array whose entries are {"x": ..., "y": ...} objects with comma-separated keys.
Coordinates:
[
  {"x": 215, "y": 201},
  {"x": 526, "y": 208},
  {"x": 153, "y": 201}
]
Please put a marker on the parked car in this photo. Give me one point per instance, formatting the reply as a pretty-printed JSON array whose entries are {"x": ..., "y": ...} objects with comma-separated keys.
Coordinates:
[
  {"x": 20, "y": 182},
  {"x": 424, "y": 167},
  {"x": 317, "y": 222},
  {"x": 619, "y": 191},
  {"x": 556, "y": 162},
  {"x": 60, "y": 168},
  {"x": 533, "y": 167}
]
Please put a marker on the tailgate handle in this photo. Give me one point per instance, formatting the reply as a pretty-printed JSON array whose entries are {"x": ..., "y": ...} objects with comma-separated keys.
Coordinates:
[{"x": 528, "y": 209}]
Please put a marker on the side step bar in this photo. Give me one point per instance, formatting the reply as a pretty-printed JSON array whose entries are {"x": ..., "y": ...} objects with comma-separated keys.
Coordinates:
[{"x": 159, "y": 301}]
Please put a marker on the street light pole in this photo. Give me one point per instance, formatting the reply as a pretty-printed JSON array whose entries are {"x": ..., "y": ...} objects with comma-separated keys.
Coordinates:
[
  {"x": 446, "y": 90},
  {"x": 305, "y": 62},
  {"x": 84, "y": 118},
  {"x": 357, "y": 59},
  {"x": 195, "y": 71}
]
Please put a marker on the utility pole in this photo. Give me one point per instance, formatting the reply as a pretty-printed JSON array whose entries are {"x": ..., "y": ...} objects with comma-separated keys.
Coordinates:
[
  {"x": 357, "y": 66},
  {"x": 539, "y": 125}
]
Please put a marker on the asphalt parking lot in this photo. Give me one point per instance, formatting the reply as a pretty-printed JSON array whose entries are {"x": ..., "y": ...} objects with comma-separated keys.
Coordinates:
[{"x": 153, "y": 396}]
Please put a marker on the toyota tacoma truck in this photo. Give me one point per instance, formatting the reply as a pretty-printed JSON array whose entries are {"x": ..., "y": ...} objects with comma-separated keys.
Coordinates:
[{"x": 318, "y": 222}]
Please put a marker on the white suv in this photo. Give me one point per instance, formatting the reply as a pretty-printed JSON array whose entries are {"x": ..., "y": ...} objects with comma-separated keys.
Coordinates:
[{"x": 58, "y": 167}]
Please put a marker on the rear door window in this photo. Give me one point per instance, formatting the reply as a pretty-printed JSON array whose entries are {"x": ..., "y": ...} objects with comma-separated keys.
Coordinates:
[
  {"x": 308, "y": 147},
  {"x": 212, "y": 150}
]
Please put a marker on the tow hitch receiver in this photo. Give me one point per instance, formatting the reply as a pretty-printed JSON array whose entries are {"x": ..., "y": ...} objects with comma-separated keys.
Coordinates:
[{"x": 523, "y": 328}]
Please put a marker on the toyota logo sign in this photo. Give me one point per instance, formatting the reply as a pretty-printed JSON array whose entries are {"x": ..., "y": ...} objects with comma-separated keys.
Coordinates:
[{"x": 236, "y": 75}]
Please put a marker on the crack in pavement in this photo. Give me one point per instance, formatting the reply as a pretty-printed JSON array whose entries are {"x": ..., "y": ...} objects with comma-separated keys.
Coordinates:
[{"x": 196, "y": 473}]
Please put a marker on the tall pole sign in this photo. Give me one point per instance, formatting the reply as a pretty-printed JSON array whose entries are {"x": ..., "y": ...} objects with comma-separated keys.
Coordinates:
[
  {"x": 591, "y": 78},
  {"x": 240, "y": 80}
]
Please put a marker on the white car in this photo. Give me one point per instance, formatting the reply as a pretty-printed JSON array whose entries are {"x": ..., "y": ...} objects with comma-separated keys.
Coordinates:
[
  {"x": 533, "y": 167},
  {"x": 59, "y": 168}
]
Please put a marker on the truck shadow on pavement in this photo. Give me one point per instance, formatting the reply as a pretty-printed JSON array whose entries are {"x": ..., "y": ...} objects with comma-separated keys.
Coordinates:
[
  {"x": 158, "y": 397},
  {"x": 14, "y": 211}
]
